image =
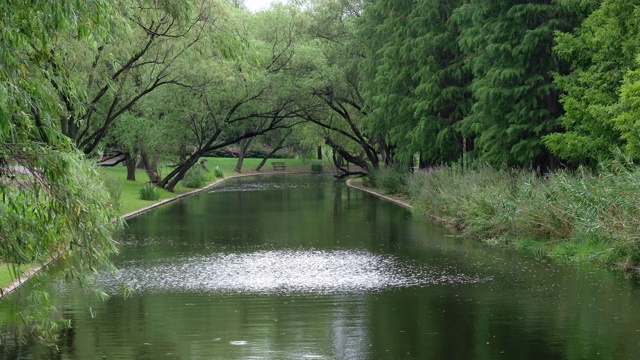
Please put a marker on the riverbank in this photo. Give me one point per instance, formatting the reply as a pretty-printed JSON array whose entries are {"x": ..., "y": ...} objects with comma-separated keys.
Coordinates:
[
  {"x": 131, "y": 205},
  {"x": 573, "y": 216},
  {"x": 358, "y": 184}
]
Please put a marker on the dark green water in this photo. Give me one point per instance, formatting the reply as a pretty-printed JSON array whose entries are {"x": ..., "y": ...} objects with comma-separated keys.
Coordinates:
[{"x": 301, "y": 267}]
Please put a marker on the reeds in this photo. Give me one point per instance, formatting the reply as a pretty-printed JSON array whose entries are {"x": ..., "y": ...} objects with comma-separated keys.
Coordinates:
[{"x": 579, "y": 215}]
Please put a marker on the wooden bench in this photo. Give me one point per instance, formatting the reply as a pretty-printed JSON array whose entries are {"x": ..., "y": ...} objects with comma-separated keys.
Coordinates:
[{"x": 278, "y": 165}]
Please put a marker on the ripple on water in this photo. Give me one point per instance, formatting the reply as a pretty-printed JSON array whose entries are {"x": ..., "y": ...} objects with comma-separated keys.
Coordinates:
[
  {"x": 281, "y": 271},
  {"x": 260, "y": 186}
]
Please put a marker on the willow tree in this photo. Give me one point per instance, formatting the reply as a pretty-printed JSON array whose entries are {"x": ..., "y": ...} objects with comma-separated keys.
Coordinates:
[
  {"x": 51, "y": 202},
  {"x": 147, "y": 43},
  {"x": 244, "y": 96},
  {"x": 335, "y": 85}
]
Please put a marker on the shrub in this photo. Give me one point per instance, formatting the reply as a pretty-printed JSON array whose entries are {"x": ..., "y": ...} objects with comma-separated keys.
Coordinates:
[
  {"x": 195, "y": 177},
  {"x": 316, "y": 166},
  {"x": 149, "y": 191},
  {"x": 371, "y": 180},
  {"x": 218, "y": 173},
  {"x": 391, "y": 181}
]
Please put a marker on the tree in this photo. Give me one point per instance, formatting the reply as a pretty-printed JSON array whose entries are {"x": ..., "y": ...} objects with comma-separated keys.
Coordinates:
[
  {"x": 335, "y": 85},
  {"x": 144, "y": 139},
  {"x": 148, "y": 41},
  {"x": 508, "y": 44},
  {"x": 416, "y": 78},
  {"x": 51, "y": 201},
  {"x": 251, "y": 95},
  {"x": 601, "y": 51},
  {"x": 628, "y": 121},
  {"x": 276, "y": 141}
]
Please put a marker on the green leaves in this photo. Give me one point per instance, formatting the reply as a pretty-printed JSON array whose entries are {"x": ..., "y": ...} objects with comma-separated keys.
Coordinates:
[
  {"x": 56, "y": 205},
  {"x": 602, "y": 50},
  {"x": 515, "y": 103},
  {"x": 415, "y": 80}
]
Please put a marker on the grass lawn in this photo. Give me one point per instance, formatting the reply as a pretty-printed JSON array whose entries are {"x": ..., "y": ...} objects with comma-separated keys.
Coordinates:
[
  {"x": 130, "y": 195},
  {"x": 130, "y": 199},
  {"x": 5, "y": 274}
]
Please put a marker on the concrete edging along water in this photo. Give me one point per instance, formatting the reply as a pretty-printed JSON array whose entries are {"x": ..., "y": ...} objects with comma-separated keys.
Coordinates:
[
  {"x": 31, "y": 272},
  {"x": 373, "y": 192}
]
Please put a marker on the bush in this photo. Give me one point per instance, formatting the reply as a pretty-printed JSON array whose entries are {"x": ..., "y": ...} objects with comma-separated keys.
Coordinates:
[
  {"x": 316, "y": 166},
  {"x": 371, "y": 180},
  {"x": 218, "y": 173},
  {"x": 391, "y": 181},
  {"x": 195, "y": 177},
  {"x": 479, "y": 200},
  {"x": 149, "y": 191}
]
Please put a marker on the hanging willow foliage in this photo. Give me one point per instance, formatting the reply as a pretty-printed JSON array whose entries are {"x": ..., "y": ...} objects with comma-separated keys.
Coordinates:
[{"x": 52, "y": 202}]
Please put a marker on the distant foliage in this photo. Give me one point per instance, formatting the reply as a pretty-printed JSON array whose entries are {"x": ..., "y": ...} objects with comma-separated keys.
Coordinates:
[
  {"x": 194, "y": 178},
  {"x": 316, "y": 166},
  {"x": 254, "y": 152},
  {"x": 149, "y": 191}
]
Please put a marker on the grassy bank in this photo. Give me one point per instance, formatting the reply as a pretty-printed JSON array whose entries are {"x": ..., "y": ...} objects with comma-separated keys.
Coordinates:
[
  {"x": 7, "y": 275},
  {"x": 129, "y": 191},
  {"x": 576, "y": 216}
]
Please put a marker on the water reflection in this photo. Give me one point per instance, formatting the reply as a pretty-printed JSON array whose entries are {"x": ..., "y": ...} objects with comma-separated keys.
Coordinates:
[{"x": 281, "y": 271}]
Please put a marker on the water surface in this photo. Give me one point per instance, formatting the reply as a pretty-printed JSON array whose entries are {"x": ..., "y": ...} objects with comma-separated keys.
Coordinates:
[{"x": 302, "y": 267}]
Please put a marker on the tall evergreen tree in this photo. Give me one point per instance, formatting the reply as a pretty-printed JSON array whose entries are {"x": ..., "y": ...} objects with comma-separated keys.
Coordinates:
[
  {"x": 441, "y": 99},
  {"x": 509, "y": 46},
  {"x": 601, "y": 51},
  {"x": 387, "y": 75}
]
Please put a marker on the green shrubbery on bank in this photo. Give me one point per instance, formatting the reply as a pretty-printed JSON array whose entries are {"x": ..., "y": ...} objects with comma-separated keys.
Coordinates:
[{"x": 577, "y": 215}]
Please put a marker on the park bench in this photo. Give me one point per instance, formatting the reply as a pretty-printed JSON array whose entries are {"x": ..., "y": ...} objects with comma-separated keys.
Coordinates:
[{"x": 278, "y": 165}]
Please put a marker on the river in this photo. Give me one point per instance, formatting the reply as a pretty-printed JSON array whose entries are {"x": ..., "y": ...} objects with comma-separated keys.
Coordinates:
[{"x": 303, "y": 267}]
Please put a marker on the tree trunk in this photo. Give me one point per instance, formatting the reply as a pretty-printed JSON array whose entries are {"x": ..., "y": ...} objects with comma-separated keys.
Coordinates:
[
  {"x": 130, "y": 162},
  {"x": 357, "y": 160},
  {"x": 170, "y": 180},
  {"x": 150, "y": 166},
  {"x": 171, "y": 184},
  {"x": 387, "y": 153},
  {"x": 275, "y": 149},
  {"x": 423, "y": 162},
  {"x": 337, "y": 160},
  {"x": 244, "y": 146}
]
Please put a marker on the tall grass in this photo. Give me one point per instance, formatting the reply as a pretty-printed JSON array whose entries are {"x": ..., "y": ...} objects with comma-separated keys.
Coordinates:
[
  {"x": 577, "y": 215},
  {"x": 114, "y": 187},
  {"x": 149, "y": 191}
]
